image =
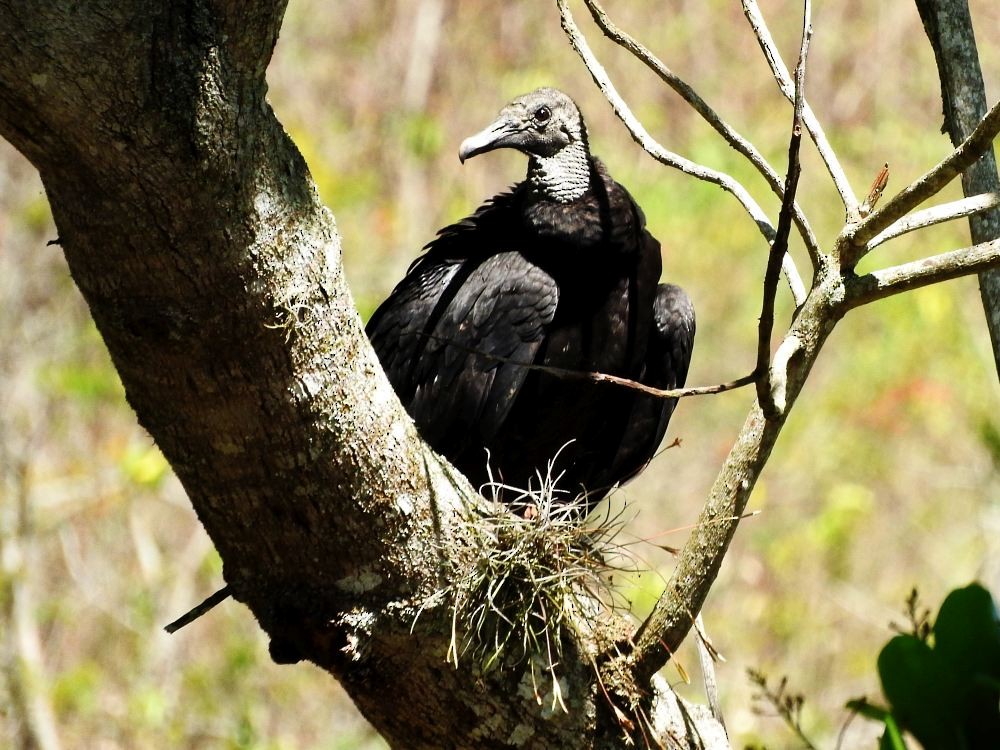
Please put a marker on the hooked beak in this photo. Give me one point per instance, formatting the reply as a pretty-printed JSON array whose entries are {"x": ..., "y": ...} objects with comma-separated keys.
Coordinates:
[{"x": 492, "y": 137}]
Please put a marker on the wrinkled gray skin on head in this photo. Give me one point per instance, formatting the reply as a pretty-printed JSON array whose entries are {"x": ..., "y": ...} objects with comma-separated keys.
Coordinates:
[{"x": 547, "y": 126}]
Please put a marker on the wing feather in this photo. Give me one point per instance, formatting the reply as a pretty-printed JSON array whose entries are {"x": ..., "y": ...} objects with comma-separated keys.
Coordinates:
[
  {"x": 470, "y": 302},
  {"x": 667, "y": 358},
  {"x": 468, "y": 376}
]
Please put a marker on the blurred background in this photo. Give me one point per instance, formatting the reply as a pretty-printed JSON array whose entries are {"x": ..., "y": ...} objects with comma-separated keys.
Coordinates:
[{"x": 885, "y": 478}]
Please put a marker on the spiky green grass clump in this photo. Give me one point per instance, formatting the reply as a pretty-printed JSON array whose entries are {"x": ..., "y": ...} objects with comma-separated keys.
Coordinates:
[{"x": 541, "y": 573}]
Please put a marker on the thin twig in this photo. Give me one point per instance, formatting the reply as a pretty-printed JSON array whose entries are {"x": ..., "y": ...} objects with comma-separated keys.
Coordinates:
[
  {"x": 935, "y": 215},
  {"x": 602, "y": 377},
  {"x": 780, "y": 247},
  {"x": 688, "y": 94},
  {"x": 788, "y": 705},
  {"x": 195, "y": 612},
  {"x": 787, "y": 86},
  {"x": 701, "y": 558},
  {"x": 853, "y": 241},
  {"x": 668, "y": 158},
  {"x": 951, "y": 265}
]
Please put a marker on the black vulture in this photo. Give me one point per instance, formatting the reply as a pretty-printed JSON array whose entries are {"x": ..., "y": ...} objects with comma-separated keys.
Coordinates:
[{"x": 559, "y": 272}]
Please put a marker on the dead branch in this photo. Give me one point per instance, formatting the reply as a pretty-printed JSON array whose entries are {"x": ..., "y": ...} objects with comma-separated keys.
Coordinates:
[
  {"x": 835, "y": 290},
  {"x": 780, "y": 247},
  {"x": 950, "y": 211},
  {"x": 853, "y": 241},
  {"x": 889, "y": 281},
  {"x": 787, "y": 86},
  {"x": 602, "y": 377},
  {"x": 688, "y": 94},
  {"x": 699, "y": 562},
  {"x": 197, "y": 611},
  {"x": 668, "y": 158}
]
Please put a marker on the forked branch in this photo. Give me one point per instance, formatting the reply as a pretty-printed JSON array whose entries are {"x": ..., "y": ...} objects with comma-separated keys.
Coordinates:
[
  {"x": 853, "y": 243},
  {"x": 649, "y": 144},
  {"x": 699, "y": 562},
  {"x": 688, "y": 94},
  {"x": 835, "y": 290},
  {"x": 787, "y": 86}
]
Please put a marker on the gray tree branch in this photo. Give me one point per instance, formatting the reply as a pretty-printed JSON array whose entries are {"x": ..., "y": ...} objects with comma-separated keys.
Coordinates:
[
  {"x": 889, "y": 281},
  {"x": 787, "y": 85},
  {"x": 855, "y": 238},
  {"x": 949, "y": 28},
  {"x": 668, "y": 158},
  {"x": 936, "y": 215},
  {"x": 699, "y": 562},
  {"x": 779, "y": 248},
  {"x": 834, "y": 292},
  {"x": 699, "y": 105}
]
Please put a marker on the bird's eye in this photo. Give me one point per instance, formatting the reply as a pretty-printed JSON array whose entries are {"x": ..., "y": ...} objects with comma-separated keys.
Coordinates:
[{"x": 542, "y": 115}]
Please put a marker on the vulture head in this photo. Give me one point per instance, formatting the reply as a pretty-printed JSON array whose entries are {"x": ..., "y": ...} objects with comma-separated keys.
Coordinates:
[
  {"x": 548, "y": 127},
  {"x": 541, "y": 123}
]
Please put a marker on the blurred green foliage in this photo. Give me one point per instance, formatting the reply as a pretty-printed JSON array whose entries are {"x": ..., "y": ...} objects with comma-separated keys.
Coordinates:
[
  {"x": 943, "y": 686},
  {"x": 886, "y": 474},
  {"x": 144, "y": 465}
]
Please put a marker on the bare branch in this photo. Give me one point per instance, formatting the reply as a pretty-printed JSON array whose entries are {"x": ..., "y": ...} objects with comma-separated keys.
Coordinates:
[
  {"x": 780, "y": 247},
  {"x": 935, "y": 215},
  {"x": 787, "y": 86},
  {"x": 197, "y": 611},
  {"x": 668, "y": 158},
  {"x": 948, "y": 24},
  {"x": 602, "y": 377},
  {"x": 734, "y": 139},
  {"x": 707, "y": 655},
  {"x": 698, "y": 565},
  {"x": 853, "y": 241},
  {"x": 951, "y": 265}
]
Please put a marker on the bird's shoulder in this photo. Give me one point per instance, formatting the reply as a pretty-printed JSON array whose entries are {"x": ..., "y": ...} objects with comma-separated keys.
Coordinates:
[
  {"x": 476, "y": 286},
  {"x": 490, "y": 228},
  {"x": 673, "y": 310}
]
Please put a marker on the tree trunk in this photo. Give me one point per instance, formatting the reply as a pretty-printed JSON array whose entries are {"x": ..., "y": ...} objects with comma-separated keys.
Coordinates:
[{"x": 191, "y": 226}]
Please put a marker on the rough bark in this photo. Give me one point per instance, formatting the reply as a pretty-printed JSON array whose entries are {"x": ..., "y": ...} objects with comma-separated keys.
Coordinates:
[
  {"x": 192, "y": 228},
  {"x": 949, "y": 27}
]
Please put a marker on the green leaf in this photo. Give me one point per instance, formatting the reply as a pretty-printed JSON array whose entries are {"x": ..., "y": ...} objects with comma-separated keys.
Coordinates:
[
  {"x": 967, "y": 642},
  {"x": 921, "y": 690},
  {"x": 967, "y": 632}
]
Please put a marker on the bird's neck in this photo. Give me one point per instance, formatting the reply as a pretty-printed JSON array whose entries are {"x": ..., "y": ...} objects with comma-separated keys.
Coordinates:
[{"x": 562, "y": 177}]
